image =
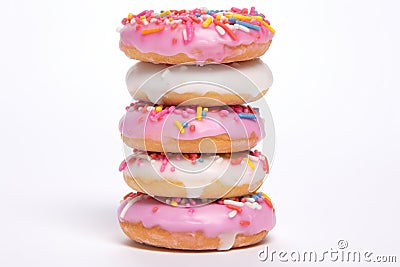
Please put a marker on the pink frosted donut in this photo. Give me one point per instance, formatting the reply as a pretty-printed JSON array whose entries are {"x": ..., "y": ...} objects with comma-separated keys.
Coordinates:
[
  {"x": 219, "y": 225},
  {"x": 198, "y": 35},
  {"x": 190, "y": 129}
]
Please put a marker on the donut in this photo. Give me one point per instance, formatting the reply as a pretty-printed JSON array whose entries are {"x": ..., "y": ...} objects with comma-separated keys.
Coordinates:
[
  {"x": 209, "y": 85},
  {"x": 187, "y": 129},
  {"x": 221, "y": 225},
  {"x": 195, "y": 36},
  {"x": 195, "y": 175}
]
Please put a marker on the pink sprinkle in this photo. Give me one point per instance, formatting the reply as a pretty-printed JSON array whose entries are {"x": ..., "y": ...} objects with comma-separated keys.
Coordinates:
[
  {"x": 235, "y": 9},
  {"x": 171, "y": 108},
  {"x": 191, "y": 210},
  {"x": 122, "y": 166},
  {"x": 190, "y": 110},
  {"x": 177, "y": 199},
  {"x": 139, "y": 162},
  {"x": 236, "y": 161},
  {"x": 246, "y": 110},
  {"x": 259, "y": 200},
  {"x": 185, "y": 114},
  {"x": 178, "y": 157},
  {"x": 162, "y": 168},
  {"x": 177, "y": 111},
  {"x": 165, "y": 161},
  {"x": 238, "y": 109},
  {"x": 187, "y": 205},
  {"x": 141, "y": 119},
  {"x": 172, "y": 169},
  {"x": 252, "y": 10},
  {"x": 236, "y": 118},
  {"x": 192, "y": 202},
  {"x": 224, "y": 113},
  {"x": 220, "y": 202}
]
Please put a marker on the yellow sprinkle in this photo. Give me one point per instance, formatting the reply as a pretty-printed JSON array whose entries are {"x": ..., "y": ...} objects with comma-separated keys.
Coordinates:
[
  {"x": 180, "y": 126},
  {"x": 272, "y": 30},
  {"x": 250, "y": 163},
  {"x": 173, "y": 203},
  {"x": 199, "y": 113},
  {"x": 171, "y": 19},
  {"x": 228, "y": 16},
  {"x": 205, "y": 109},
  {"x": 130, "y": 15},
  {"x": 159, "y": 108},
  {"x": 207, "y": 22},
  {"x": 218, "y": 17},
  {"x": 265, "y": 195},
  {"x": 167, "y": 12},
  {"x": 241, "y": 17},
  {"x": 143, "y": 17}
]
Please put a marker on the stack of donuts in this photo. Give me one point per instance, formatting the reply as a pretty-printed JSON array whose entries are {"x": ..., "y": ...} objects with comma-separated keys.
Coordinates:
[{"x": 190, "y": 134}]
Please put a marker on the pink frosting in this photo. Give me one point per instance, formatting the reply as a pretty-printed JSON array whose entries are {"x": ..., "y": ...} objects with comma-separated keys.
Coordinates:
[
  {"x": 204, "y": 43},
  {"x": 211, "y": 219},
  {"x": 138, "y": 124}
]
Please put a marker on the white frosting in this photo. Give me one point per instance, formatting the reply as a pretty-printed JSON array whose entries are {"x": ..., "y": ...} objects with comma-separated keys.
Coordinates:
[
  {"x": 195, "y": 177},
  {"x": 246, "y": 78}
]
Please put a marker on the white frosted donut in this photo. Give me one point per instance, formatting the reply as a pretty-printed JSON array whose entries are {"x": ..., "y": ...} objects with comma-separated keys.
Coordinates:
[
  {"x": 195, "y": 175},
  {"x": 231, "y": 84}
]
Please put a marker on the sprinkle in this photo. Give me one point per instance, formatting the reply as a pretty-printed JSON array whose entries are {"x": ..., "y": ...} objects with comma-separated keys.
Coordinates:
[
  {"x": 184, "y": 35},
  {"x": 154, "y": 209},
  {"x": 272, "y": 30},
  {"x": 207, "y": 22},
  {"x": 192, "y": 128},
  {"x": 247, "y": 116},
  {"x": 205, "y": 109},
  {"x": 122, "y": 166},
  {"x": 220, "y": 30},
  {"x": 219, "y": 160},
  {"x": 153, "y": 30},
  {"x": 159, "y": 109},
  {"x": 145, "y": 22},
  {"x": 190, "y": 210},
  {"x": 185, "y": 124},
  {"x": 254, "y": 158},
  {"x": 172, "y": 169},
  {"x": 130, "y": 194},
  {"x": 201, "y": 160},
  {"x": 174, "y": 40},
  {"x": 199, "y": 113},
  {"x": 249, "y": 199},
  {"x": 236, "y": 161},
  {"x": 180, "y": 126},
  {"x": 234, "y": 203},
  {"x": 185, "y": 114},
  {"x": 227, "y": 30},
  {"x": 250, "y": 163},
  {"x": 174, "y": 203},
  {"x": 142, "y": 17},
  {"x": 244, "y": 223},
  {"x": 232, "y": 214},
  {"x": 248, "y": 25},
  {"x": 130, "y": 15},
  {"x": 203, "y": 113},
  {"x": 268, "y": 202},
  {"x": 224, "y": 113},
  {"x": 232, "y": 207},
  {"x": 190, "y": 110},
  {"x": 167, "y": 12},
  {"x": 242, "y": 28}
]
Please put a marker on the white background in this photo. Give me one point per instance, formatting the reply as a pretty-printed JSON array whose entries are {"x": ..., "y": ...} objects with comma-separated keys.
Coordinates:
[{"x": 334, "y": 101}]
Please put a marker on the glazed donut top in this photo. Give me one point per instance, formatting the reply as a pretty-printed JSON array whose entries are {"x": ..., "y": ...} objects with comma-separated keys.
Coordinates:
[
  {"x": 188, "y": 30},
  {"x": 224, "y": 218},
  {"x": 196, "y": 171},
  {"x": 154, "y": 80},
  {"x": 156, "y": 122}
]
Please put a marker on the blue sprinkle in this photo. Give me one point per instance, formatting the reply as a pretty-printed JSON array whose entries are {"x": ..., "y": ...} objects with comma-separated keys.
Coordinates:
[
  {"x": 248, "y": 25},
  {"x": 259, "y": 194},
  {"x": 257, "y": 109},
  {"x": 185, "y": 125},
  {"x": 233, "y": 20},
  {"x": 201, "y": 160},
  {"x": 247, "y": 116},
  {"x": 203, "y": 113},
  {"x": 197, "y": 14}
]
